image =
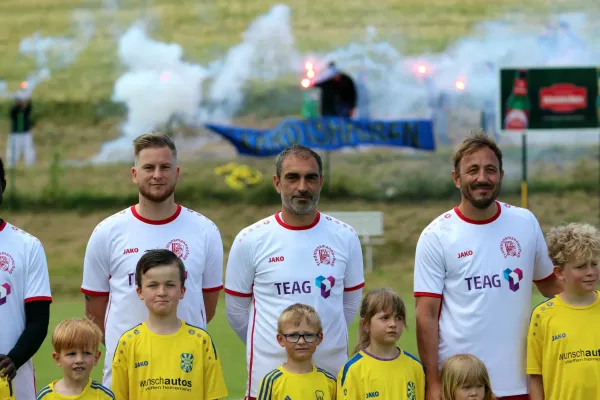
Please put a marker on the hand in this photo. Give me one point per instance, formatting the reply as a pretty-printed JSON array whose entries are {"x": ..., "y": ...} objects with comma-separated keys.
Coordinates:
[
  {"x": 7, "y": 367},
  {"x": 434, "y": 391}
]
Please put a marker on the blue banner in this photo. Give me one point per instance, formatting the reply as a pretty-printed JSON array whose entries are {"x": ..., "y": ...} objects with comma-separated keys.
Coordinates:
[{"x": 329, "y": 134}]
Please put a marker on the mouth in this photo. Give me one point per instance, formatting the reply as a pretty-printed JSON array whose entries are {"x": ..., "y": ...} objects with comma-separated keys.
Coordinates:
[{"x": 79, "y": 369}]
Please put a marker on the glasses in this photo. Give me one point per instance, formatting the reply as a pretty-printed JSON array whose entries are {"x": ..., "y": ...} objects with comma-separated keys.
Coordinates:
[{"x": 295, "y": 337}]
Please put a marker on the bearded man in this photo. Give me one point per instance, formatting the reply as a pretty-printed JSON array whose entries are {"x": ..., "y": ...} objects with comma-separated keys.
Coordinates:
[{"x": 119, "y": 241}]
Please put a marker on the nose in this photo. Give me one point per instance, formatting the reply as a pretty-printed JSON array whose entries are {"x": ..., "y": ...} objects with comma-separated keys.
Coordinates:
[{"x": 302, "y": 185}]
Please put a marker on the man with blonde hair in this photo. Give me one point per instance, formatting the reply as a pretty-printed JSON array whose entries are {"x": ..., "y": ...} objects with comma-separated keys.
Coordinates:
[
  {"x": 563, "y": 346},
  {"x": 156, "y": 221},
  {"x": 475, "y": 266}
]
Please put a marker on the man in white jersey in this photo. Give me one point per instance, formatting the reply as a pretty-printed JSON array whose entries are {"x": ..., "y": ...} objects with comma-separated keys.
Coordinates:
[
  {"x": 24, "y": 304},
  {"x": 474, "y": 269},
  {"x": 297, "y": 255},
  {"x": 156, "y": 221}
]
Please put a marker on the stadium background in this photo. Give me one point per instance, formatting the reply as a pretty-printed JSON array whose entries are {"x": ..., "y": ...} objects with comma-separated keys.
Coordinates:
[{"x": 63, "y": 197}]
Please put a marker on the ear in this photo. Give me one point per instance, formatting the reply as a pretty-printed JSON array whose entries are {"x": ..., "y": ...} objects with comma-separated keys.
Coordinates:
[
  {"x": 178, "y": 174},
  {"x": 559, "y": 272},
  {"x": 134, "y": 174},
  {"x": 319, "y": 338},
  {"x": 280, "y": 340},
  {"x": 322, "y": 180},
  {"x": 97, "y": 357},
  {"x": 362, "y": 325},
  {"x": 183, "y": 290},
  {"x": 277, "y": 183},
  {"x": 139, "y": 293},
  {"x": 502, "y": 175},
  {"x": 456, "y": 178},
  {"x": 56, "y": 359}
]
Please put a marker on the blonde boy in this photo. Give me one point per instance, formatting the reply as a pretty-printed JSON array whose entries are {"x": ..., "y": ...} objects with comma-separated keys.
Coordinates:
[
  {"x": 76, "y": 343},
  {"x": 563, "y": 349},
  {"x": 299, "y": 331}
]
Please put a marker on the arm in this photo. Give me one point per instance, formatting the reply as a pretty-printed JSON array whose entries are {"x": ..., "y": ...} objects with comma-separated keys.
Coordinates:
[
  {"x": 238, "y": 313},
  {"x": 96, "y": 276},
  {"x": 543, "y": 270},
  {"x": 95, "y": 310},
  {"x": 354, "y": 279},
  {"x": 214, "y": 383},
  {"x": 536, "y": 387},
  {"x": 37, "y": 317},
  {"x": 120, "y": 375},
  {"x": 429, "y": 277},
  {"x": 239, "y": 280},
  {"x": 212, "y": 278},
  {"x": 427, "y": 310}
]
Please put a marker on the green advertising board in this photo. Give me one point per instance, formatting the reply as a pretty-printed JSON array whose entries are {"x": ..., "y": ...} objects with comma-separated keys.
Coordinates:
[{"x": 549, "y": 98}]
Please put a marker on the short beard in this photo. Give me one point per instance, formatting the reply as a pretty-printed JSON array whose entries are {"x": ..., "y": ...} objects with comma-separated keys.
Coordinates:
[
  {"x": 289, "y": 205},
  {"x": 157, "y": 198},
  {"x": 481, "y": 204}
]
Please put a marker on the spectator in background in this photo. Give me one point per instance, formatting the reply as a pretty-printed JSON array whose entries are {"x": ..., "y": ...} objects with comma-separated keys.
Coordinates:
[
  {"x": 20, "y": 141},
  {"x": 338, "y": 93}
]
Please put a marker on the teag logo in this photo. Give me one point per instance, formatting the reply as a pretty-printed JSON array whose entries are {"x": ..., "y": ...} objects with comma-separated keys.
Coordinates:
[{"x": 513, "y": 277}]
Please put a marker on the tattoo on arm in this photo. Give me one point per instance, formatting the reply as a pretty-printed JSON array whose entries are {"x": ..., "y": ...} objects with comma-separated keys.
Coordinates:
[{"x": 87, "y": 298}]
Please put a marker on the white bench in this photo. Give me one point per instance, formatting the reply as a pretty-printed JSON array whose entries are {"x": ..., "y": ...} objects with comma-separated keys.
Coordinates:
[{"x": 368, "y": 225}]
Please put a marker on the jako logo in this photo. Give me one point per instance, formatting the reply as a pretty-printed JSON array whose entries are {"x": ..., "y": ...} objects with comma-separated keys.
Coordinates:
[
  {"x": 465, "y": 253},
  {"x": 130, "y": 251},
  {"x": 141, "y": 364},
  {"x": 276, "y": 259},
  {"x": 513, "y": 277},
  {"x": 372, "y": 394},
  {"x": 4, "y": 292},
  {"x": 559, "y": 336},
  {"x": 326, "y": 284}
]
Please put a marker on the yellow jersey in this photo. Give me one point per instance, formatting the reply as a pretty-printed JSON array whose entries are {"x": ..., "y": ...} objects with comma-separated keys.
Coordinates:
[
  {"x": 280, "y": 384},
  {"x": 563, "y": 346},
  {"x": 93, "y": 391},
  {"x": 183, "y": 365},
  {"x": 365, "y": 376},
  {"x": 6, "y": 390}
]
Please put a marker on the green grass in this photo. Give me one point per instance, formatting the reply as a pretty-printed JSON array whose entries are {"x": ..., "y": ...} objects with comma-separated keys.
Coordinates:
[
  {"x": 206, "y": 30},
  {"x": 229, "y": 346}
]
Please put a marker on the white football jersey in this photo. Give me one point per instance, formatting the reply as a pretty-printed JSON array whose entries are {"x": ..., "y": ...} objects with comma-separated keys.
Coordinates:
[
  {"x": 280, "y": 265},
  {"x": 23, "y": 278},
  {"x": 483, "y": 272},
  {"x": 117, "y": 244}
]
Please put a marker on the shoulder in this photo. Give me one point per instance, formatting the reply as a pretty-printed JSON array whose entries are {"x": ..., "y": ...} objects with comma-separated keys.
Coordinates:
[
  {"x": 517, "y": 214},
  {"x": 104, "y": 392},
  {"x": 200, "y": 335},
  {"x": 327, "y": 375},
  {"x": 546, "y": 308},
  {"x": 351, "y": 365},
  {"x": 413, "y": 360},
  {"x": 22, "y": 236},
  {"x": 257, "y": 230},
  {"x": 270, "y": 378},
  {"x": 337, "y": 226},
  {"x": 442, "y": 223},
  {"x": 115, "y": 220},
  {"x": 131, "y": 334},
  {"x": 44, "y": 393},
  {"x": 198, "y": 219}
]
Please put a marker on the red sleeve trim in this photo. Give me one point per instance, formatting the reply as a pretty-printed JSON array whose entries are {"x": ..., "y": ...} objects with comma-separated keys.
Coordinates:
[
  {"x": 239, "y": 294},
  {"x": 38, "y": 298},
  {"x": 92, "y": 293},
  {"x": 546, "y": 278},
  {"x": 349, "y": 289},
  {"x": 427, "y": 294},
  {"x": 214, "y": 289}
]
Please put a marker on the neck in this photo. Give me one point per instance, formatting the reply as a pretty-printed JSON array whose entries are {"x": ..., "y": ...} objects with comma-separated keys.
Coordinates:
[
  {"x": 293, "y": 219},
  {"x": 156, "y": 211},
  {"x": 163, "y": 325},
  {"x": 70, "y": 387},
  {"x": 477, "y": 214},
  {"x": 380, "y": 350},
  {"x": 579, "y": 298},
  {"x": 298, "y": 367}
]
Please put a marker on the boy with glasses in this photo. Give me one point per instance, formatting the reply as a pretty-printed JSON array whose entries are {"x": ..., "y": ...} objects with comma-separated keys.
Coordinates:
[{"x": 300, "y": 332}]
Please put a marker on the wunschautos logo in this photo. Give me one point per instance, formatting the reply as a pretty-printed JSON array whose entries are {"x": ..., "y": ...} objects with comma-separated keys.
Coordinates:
[
  {"x": 166, "y": 383},
  {"x": 579, "y": 356}
]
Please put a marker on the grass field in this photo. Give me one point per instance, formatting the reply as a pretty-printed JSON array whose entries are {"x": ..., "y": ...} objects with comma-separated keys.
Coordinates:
[{"x": 206, "y": 30}]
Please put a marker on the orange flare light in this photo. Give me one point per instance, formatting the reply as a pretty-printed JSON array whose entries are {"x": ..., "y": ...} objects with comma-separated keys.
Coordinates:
[
  {"x": 460, "y": 85},
  {"x": 305, "y": 83},
  {"x": 24, "y": 85}
]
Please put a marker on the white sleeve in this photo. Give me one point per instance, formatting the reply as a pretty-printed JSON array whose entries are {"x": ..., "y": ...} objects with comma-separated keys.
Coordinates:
[
  {"x": 38, "y": 284},
  {"x": 96, "y": 265},
  {"x": 238, "y": 310},
  {"x": 355, "y": 273},
  {"x": 352, "y": 301},
  {"x": 212, "y": 278},
  {"x": 239, "y": 274},
  {"x": 430, "y": 267},
  {"x": 543, "y": 267}
]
